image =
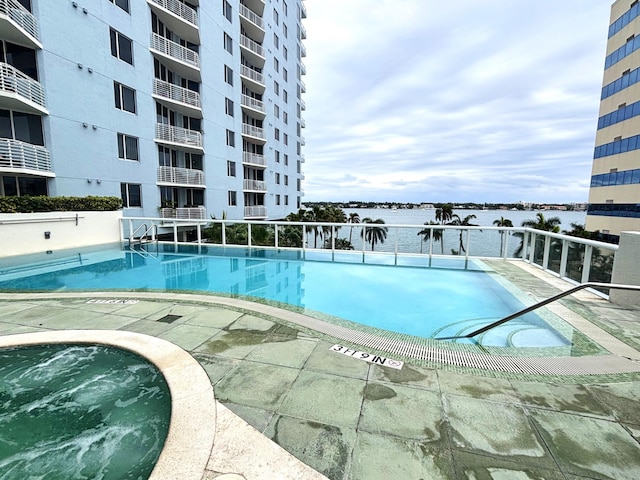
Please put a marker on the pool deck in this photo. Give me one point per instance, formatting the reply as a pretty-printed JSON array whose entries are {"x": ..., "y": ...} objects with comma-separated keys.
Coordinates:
[{"x": 287, "y": 407}]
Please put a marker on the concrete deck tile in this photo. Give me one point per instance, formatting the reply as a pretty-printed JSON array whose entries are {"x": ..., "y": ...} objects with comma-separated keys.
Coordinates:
[
  {"x": 249, "y": 322},
  {"x": 109, "y": 322},
  {"x": 35, "y": 315},
  {"x": 13, "y": 311},
  {"x": 287, "y": 353},
  {"x": 256, "y": 417},
  {"x": 323, "y": 398},
  {"x": 410, "y": 375},
  {"x": 494, "y": 389},
  {"x": 66, "y": 319},
  {"x": 588, "y": 446},
  {"x": 404, "y": 412},
  {"x": 379, "y": 457},
  {"x": 500, "y": 430},
  {"x": 472, "y": 466},
  {"x": 150, "y": 327},
  {"x": 12, "y": 329},
  {"x": 216, "y": 367},
  {"x": 213, "y": 317},
  {"x": 563, "y": 398},
  {"x": 326, "y": 361},
  {"x": 233, "y": 344},
  {"x": 187, "y": 336},
  {"x": 256, "y": 385},
  {"x": 325, "y": 448},
  {"x": 622, "y": 398},
  {"x": 146, "y": 310}
]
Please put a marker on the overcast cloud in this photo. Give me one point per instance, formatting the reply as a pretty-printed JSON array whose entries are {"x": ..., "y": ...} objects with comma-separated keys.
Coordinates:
[{"x": 473, "y": 100}]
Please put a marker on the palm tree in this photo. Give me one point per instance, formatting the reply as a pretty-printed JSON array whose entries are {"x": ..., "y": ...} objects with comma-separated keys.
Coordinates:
[
  {"x": 551, "y": 224},
  {"x": 502, "y": 222},
  {"x": 444, "y": 213},
  {"x": 426, "y": 234},
  {"x": 374, "y": 235},
  {"x": 353, "y": 218},
  {"x": 464, "y": 222},
  {"x": 314, "y": 215},
  {"x": 332, "y": 214}
]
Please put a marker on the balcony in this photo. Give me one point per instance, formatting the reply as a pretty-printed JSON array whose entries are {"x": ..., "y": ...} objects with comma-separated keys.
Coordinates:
[
  {"x": 303, "y": 105},
  {"x": 182, "y": 99},
  {"x": 256, "y": 6},
  {"x": 252, "y": 50},
  {"x": 303, "y": 86},
  {"x": 20, "y": 92},
  {"x": 303, "y": 50},
  {"x": 302, "y": 140},
  {"x": 176, "y": 176},
  {"x": 303, "y": 10},
  {"x": 256, "y": 211},
  {"x": 256, "y": 79},
  {"x": 253, "y": 23},
  {"x": 303, "y": 32},
  {"x": 254, "y": 104},
  {"x": 254, "y": 132},
  {"x": 254, "y": 159},
  {"x": 21, "y": 157},
  {"x": 181, "y": 60},
  {"x": 190, "y": 140},
  {"x": 303, "y": 69},
  {"x": 189, "y": 213},
  {"x": 254, "y": 186},
  {"x": 18, "y": 25},
  {"x": 179, "y": 17}
]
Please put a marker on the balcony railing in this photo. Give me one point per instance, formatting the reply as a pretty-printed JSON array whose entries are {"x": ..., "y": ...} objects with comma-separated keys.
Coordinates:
[
  {"x": 179, "y": 9},
  {"x": 253, "y": 75},
  {"x": 175, "y": 50},
  {"x": 15, "y": 154},
  {"x": 183, "y": 136},
  {"x": 13, "y": 80},
  {"x": 181, "y": 176},
  {"x": 252, "y": 17},
  {"x": 21, "y": 17},
  {"x": 257, "y": 185},
  {"x": 251, "y": 45},
  {"x": 187, "y": 213},
  {"x": 255, "y": 211},
  {"x": 252, "y": 131},
  {"x": 253, "y": 103},
  {"x": 253, "y": 159},
  {"x": 176, "y": 93}
]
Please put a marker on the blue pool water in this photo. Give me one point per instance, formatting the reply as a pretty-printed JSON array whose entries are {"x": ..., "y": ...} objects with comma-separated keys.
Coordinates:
[
  {"x": 451, "y": 297},
  {"x": 80, "y": 412}
]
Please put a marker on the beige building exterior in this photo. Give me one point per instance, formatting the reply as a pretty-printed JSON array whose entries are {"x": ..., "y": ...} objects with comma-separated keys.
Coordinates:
[{"x": 614, "y": 196}]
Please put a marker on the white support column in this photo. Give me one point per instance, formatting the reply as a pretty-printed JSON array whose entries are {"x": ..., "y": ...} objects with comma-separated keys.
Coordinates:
[{"x": 626, "y": 270}]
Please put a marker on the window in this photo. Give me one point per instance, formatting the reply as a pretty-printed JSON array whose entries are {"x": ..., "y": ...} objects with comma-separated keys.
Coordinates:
[
  {"x": 285, "y": 30},
  {"x": 276, "y": 87},
  {"x": 131, "y": 194},
  {"x": 285, "y": 53},
  {"x": 276, "y": 111},
  {"x": 285, "y": 8},
  {"x": 21, "y": 126},
  {"x": 278, "y": 199},
  {"x": 228, "y": 43},
  {"x": 127, "y": 147},
  {"x": 125, "y": 97},
  {"x": 285, "y": 118},
  {"x": 277, "y": 156},
  {"x": 228, "y": 75},
  {"x": 226, "y": 10},
  {"x": 123, "y": 4},
  {"x": 285, "y": 74},
  {"x": 276, "y": 65},
  {"x": 276, "y": 41},
  {"x": 286, "y": 199},
  {"x": 286, "y": 159},
  {"x": 231, "y": 168},
  {"x": 276, "y": 17},
  {"x": 233, "y": 201},
  {"x": 231, "y": 138},
  {"x": 285, "y": 138},
  {"x": 228, "y": 106},
  {"x": 285, "y": 96},
  {"x": 286, "y": 179},
  {"x": 276, "y": 134},
  {"x": 277, "y": 179},
  {"x": 121, "y": 46}
]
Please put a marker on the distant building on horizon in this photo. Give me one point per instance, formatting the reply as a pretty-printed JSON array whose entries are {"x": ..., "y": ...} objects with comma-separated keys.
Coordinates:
[
  {"x": 614, "y": 195},
  {"x": 183, "y": 108}
]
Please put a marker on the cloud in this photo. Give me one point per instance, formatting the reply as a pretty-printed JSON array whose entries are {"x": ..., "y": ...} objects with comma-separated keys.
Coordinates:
[{"x": 421, "y": 100}]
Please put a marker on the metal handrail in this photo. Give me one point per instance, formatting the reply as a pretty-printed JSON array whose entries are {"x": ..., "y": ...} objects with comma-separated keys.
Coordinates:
[
  {"x": 542, "y": 303},
  {"x": 153, "y": 229}
]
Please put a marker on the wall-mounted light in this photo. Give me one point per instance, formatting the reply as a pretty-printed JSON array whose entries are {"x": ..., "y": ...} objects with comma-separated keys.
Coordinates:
[
  {"x": 80, "y": 66},
  {"x": 75, "y": 4},
  {"x": 47, "y": 235},
  {"x": 90, "y": 70},
  {"x": 98, "y": 181},
  {"x": 85, "y": 125},
  {"x": 89, "y": 180},
  {"x": 95, "y": 127},
  {"x": 85, "y": 11}
]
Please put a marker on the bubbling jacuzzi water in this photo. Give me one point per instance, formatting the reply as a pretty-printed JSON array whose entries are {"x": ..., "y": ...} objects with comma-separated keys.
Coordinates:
[{"x": 80, "y": 412}]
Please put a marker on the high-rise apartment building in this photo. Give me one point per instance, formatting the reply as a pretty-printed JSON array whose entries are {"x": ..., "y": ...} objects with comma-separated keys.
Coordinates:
[
  {"x": 614, "y": 196},
  {"x": 185, "y": 109}
]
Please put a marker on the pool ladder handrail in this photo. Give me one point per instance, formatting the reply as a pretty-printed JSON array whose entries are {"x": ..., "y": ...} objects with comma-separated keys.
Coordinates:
[
  {"x": 153, "y": 229},
  {"x": 542, "y": 303}
]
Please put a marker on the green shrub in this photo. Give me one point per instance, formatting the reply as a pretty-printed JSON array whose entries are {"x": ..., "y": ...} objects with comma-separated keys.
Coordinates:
[{"x": 28, "y": 204}]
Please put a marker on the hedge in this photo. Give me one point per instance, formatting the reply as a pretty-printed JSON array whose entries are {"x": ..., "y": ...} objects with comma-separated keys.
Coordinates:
[{"x": 28, "y": 204}]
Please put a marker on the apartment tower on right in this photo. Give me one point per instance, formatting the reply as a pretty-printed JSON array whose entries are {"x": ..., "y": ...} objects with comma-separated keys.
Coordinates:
[{"x": 614, "y": 196}]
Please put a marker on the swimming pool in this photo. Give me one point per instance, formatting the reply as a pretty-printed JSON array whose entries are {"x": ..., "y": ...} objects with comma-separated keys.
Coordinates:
[
  {"x": 80, "y": 411},
  {"x": 450, "y": 297}
]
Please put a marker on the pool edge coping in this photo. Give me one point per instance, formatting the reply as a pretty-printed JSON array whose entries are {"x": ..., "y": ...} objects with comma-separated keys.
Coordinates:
[{"x": 188, "y": 446}]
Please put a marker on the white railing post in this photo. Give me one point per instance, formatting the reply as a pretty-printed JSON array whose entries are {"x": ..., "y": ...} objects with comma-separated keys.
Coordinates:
[
  {"x": 249, "y": 235},
  {"x": 175, "y": 232},
  {"x": 277, "y": 228},
  {"x": 586, "y": 264},
  {"x": 564, "y": 258},
  {"x": 466, "y": 253},
  {"x": 547, "y": 250},
  {"x": 224, "y": 233}
]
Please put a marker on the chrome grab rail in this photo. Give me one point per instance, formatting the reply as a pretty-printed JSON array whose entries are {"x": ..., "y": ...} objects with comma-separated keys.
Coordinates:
[
  {"x": 542, "y": 303},
  {"x": 153, "y": 229}
]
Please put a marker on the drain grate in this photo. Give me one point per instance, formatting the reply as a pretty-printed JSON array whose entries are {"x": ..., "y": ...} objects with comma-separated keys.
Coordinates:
[{"x": 169, "y": 318}]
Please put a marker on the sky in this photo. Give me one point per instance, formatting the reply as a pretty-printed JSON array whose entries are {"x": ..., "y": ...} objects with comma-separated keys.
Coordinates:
[{"x": 463, "y": 101}]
